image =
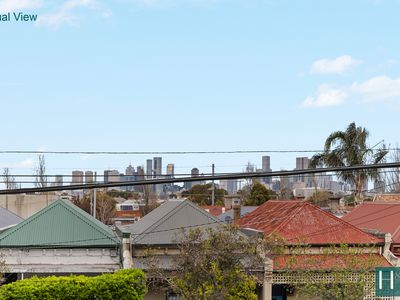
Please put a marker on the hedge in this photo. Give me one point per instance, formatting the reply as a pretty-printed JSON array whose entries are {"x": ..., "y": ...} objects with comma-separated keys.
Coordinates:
[{"x": 124, "y": 284}]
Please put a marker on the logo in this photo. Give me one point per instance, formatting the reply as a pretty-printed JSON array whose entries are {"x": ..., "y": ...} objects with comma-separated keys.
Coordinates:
[{"x": 387, "y": 282}]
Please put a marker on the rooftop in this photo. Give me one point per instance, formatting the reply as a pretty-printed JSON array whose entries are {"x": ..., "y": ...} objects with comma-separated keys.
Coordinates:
[
  {"x": 163, "y": 225},
  {"x": 8, "y": 219},
  {"x": 61, "y": 225},
  {"x": 301, "y": 222},
  {"x": 380, "y": 216}
]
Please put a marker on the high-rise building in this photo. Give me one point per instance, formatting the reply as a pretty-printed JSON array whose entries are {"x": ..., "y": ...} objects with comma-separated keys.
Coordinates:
[
  {"x": 157, "y": 171},
  {"x": 77, "y": 177},
  {"x": 266, "y": 167},
  {"x": 140, "y": 172},
  {"x": 229, "y": 185},
  {"x": 129, "y": 171},
  {"x": 157, "y": 166},
  {"x": 302, "y": 163},
  {"x": 149, "y": 169},
  {"x": 58, "y": 180},
  {"x": 111, "y": 176},
  {"x": 193, "y": 173},
  {"x": 89, "y": 177},
  {"x": 170, "y": 170}
]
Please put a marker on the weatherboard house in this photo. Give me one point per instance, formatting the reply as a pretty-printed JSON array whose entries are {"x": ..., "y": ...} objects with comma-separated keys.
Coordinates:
[{"x": 60, "y": 239}]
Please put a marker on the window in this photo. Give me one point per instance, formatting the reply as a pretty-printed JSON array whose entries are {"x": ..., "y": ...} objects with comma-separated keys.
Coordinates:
[{"x": 173, "y": 296}]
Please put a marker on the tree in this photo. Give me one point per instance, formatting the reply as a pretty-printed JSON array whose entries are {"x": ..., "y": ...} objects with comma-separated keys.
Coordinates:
[
  {"x": 3, "y": 268},
  {"x": 350, "y": 148},
  {"x": 320, "y": 198},
  {"x": 201, "y": 194},
  {"x": 105, "y": 206},
  {"x": 214, "y": 264},
  {"x": 40, "y": 172},
  {"x": 9, "y": 182},
  {"x": 258, "y": 194},
  {"x": 392, "y": 177}
]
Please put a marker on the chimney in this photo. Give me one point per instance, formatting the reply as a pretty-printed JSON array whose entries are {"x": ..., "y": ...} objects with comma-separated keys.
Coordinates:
[{"x": 236, "y": 209}]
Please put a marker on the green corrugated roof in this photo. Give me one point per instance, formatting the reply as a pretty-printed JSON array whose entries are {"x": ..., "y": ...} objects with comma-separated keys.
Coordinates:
[{"x": 61, "y": 224}]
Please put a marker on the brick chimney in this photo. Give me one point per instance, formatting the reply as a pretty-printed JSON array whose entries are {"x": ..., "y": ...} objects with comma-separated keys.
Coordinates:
[{"x": 236, "y": 207}]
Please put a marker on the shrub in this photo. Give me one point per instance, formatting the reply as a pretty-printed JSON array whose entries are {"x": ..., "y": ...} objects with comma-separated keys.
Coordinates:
[{"x": 124, "y": 284}]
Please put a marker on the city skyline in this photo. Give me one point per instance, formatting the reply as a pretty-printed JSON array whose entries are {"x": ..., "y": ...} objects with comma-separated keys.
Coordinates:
[{"x": 194, "y": 76}]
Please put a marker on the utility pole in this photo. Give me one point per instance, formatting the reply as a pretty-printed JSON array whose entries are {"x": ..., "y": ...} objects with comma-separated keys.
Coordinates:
[
  {"x": 94, "y": 196},
  {"x": 212, "y": 186}
]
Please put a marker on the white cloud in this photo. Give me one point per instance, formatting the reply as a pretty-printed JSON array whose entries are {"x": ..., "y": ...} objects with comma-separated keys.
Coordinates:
[
  {"x": 378, "y": 88},
  {"x": 326, "y": 96},
  {"x": 338, "y": 65},
  {"x": 16, "y": 5},
  {"x": 25, "y": 164},
  {"x": 66, "y": 13}
]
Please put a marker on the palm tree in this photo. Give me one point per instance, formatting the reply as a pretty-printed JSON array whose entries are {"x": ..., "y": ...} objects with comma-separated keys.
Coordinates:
[{"x": 349, "y": 148}]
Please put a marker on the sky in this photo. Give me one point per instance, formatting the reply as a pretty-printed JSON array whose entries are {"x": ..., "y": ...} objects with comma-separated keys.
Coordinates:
[{"x": 193, "y": 75}]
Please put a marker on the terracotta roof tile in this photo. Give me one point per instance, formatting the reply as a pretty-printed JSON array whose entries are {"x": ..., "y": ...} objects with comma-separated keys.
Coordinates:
[
  {"x": 380, "y": 216},
  {"x": 301, "y": 222}
]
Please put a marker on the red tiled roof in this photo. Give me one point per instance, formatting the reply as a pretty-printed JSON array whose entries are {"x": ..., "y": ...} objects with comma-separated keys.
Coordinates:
[
  {"x": 214, "y": 210},
  {"x": 380, "y": 216},
  {"x": 329, "y": 262},
  {"x": 302, "y": 222}
]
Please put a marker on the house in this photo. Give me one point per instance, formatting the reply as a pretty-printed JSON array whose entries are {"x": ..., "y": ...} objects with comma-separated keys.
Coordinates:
[
  {"x": 127, "y": 212},
  {"x": 378, "y": 217},
  {"x": 215, "y": 210},
  {"x": 314, "y": 232},
  {"x": 160, "y": 230},
  {"x": 228, "y": 215},
  {"x": 8, "y": 219},
  {"x": 390, "y": 198},
  {"x": 60, "y": 239}
]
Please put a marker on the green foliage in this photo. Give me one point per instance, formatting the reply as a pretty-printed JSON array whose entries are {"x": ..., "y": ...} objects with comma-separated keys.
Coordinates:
[
  {"x": 258, "y": 194},
  {"x": 350, "y": 148},
  {"x": 123, "y": 194},
  {"x": 123, "y": 284},
  {"x": 211, "y": 265},
  {"x": 320, "y": 198},
  {"x": 201, "y": 194}
]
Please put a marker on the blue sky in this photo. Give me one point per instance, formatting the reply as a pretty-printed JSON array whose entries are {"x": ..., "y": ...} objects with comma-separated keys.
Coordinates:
[{"x": 160, "y": 75}]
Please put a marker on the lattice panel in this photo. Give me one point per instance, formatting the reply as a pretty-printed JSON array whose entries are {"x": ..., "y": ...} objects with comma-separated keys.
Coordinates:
[{"x": 293, "y": 278}]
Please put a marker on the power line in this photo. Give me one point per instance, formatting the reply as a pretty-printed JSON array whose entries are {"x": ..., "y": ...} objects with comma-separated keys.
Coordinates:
[
  {"x": 165, "y": 152},
  {"x": 241, "y": 175}
]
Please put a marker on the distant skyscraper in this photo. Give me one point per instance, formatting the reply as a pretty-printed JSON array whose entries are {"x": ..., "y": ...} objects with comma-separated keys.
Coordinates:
[
  {"x": 129, "y": 171},
  {"x": 77, "y": 177},
  {"x": 111, "y": 176},
  {"x": 170, "y": 170},
  {"x": 149, "y": 169},
  {"x": 266, "y": 167},
  {"x": 157, "y": 171},
  {"x": 302, "y": 163},
  {"x": 157, "y": 166},
  {"x": 140, "y": 172},
  {"x": 58, "y": 180},
  {"x": 194, "y": 173},
  {"x": 89, "y": 178}
]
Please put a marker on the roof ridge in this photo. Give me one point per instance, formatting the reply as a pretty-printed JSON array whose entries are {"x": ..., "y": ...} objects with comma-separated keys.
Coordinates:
[
  {"x": 159, "y": 221},
  {"x": 70, "y": 207},
  {"x": 84, "y": 216},
  {"x": 175, "y": 210}
]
